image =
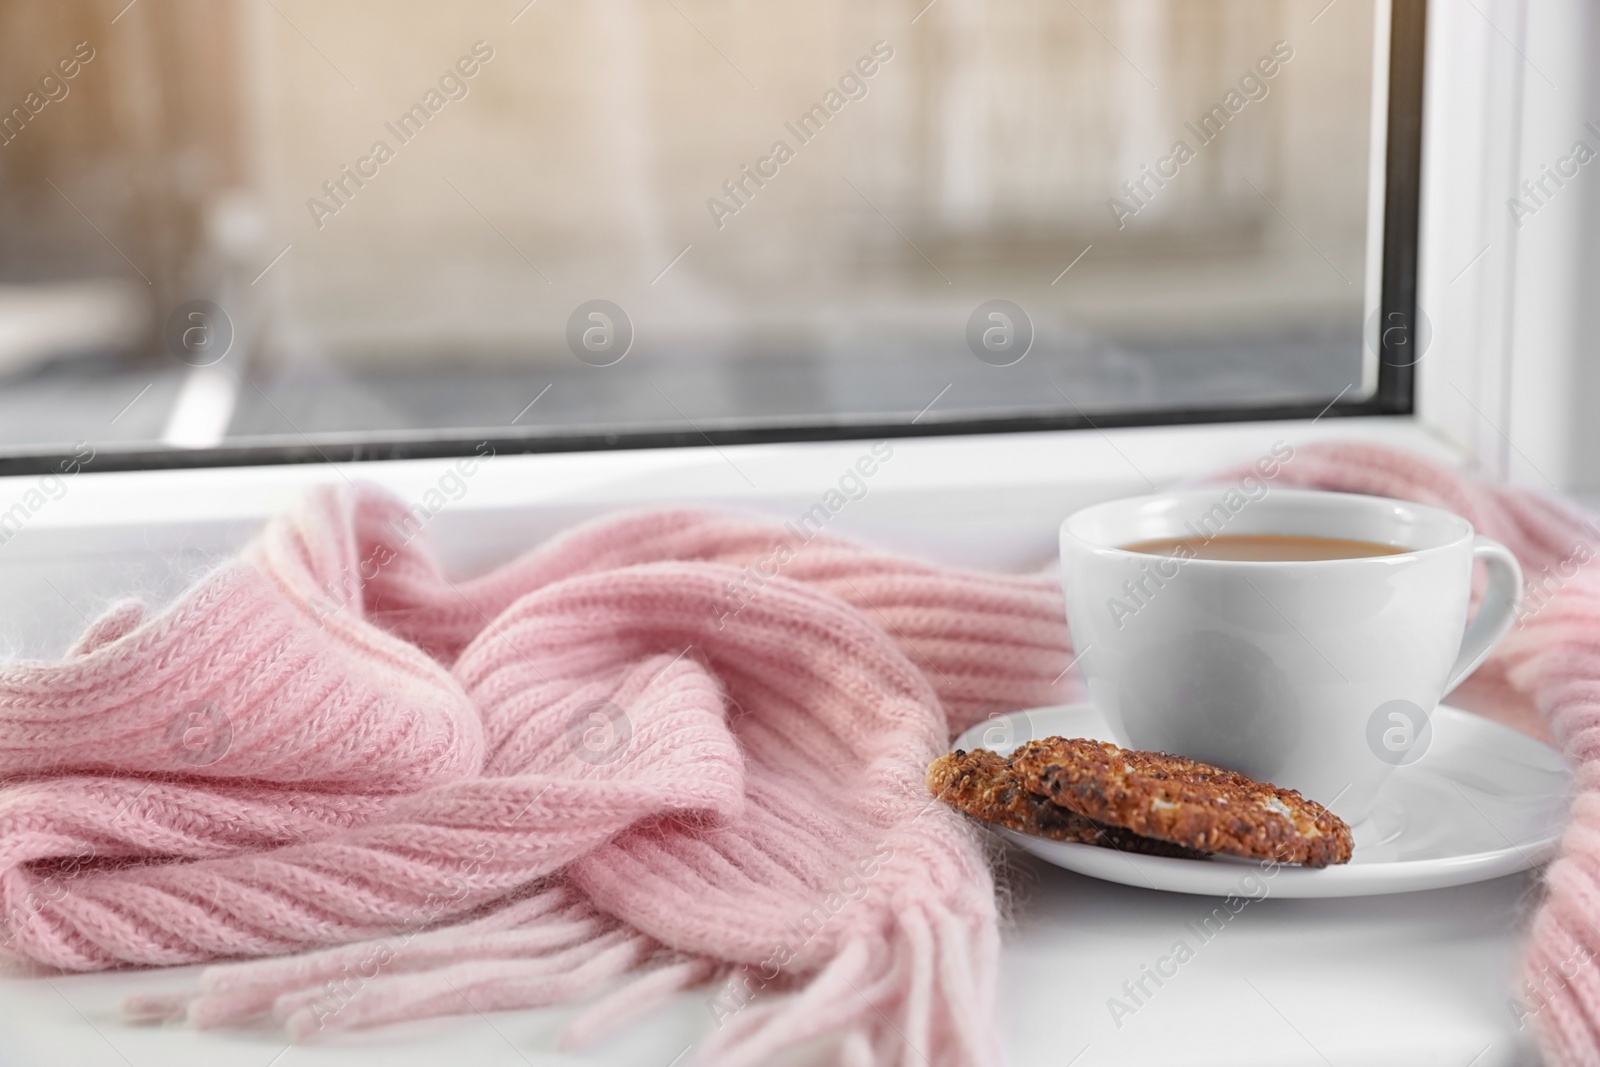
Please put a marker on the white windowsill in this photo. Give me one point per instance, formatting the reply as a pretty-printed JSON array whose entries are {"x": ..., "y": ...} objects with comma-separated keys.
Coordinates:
[
  {"x": 938, "y": 494},
  {"x": 1426, "y": 975}
]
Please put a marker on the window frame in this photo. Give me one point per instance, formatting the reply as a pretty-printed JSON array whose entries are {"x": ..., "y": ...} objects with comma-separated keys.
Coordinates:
[{"x": 1393, "y": 392}]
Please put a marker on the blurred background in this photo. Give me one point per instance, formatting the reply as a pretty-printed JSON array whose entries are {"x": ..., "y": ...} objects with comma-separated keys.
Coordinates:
[{"x": 202, "y": 243}]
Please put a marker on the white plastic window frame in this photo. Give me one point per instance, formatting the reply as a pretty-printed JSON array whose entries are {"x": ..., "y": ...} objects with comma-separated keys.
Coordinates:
[
  {"x": 1504, "y": 380},
  {"x": 990, "y": 500}
]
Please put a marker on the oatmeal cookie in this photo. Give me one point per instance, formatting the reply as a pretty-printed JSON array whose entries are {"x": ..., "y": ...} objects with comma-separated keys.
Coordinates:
[
  {"x": 1182, "y": 801},
  {"x": 984, "y": 785}
]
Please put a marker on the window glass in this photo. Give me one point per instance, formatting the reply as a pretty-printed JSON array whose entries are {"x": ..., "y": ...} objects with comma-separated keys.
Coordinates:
[{"x": 309, "y": 224}]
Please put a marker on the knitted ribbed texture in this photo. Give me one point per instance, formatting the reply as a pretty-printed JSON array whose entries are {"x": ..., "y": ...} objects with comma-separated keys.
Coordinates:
[
  {"x": 409, "y": 776},
  {"x": 411, "y": 815}
]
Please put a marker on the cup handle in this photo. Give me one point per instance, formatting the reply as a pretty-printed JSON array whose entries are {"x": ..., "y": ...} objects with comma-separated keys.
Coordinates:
[{"x": 1496, "y": 611}]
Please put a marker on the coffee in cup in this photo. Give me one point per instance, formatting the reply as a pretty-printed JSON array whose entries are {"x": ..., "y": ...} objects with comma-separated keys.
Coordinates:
[{"x": 1271, "y": 638}]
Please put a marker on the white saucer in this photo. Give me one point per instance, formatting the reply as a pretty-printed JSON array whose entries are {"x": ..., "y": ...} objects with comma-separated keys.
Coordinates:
[{"x": 1482, "y": 802}]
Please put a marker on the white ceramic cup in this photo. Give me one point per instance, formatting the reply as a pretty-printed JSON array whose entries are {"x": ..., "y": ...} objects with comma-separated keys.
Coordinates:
[{"x": 1314, "y": 675}]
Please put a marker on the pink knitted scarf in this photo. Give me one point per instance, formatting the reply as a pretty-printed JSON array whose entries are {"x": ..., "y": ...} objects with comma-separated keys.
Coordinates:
[
  {"x": 674, "y": 746},
  {"x": 665, "y": 750}
]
